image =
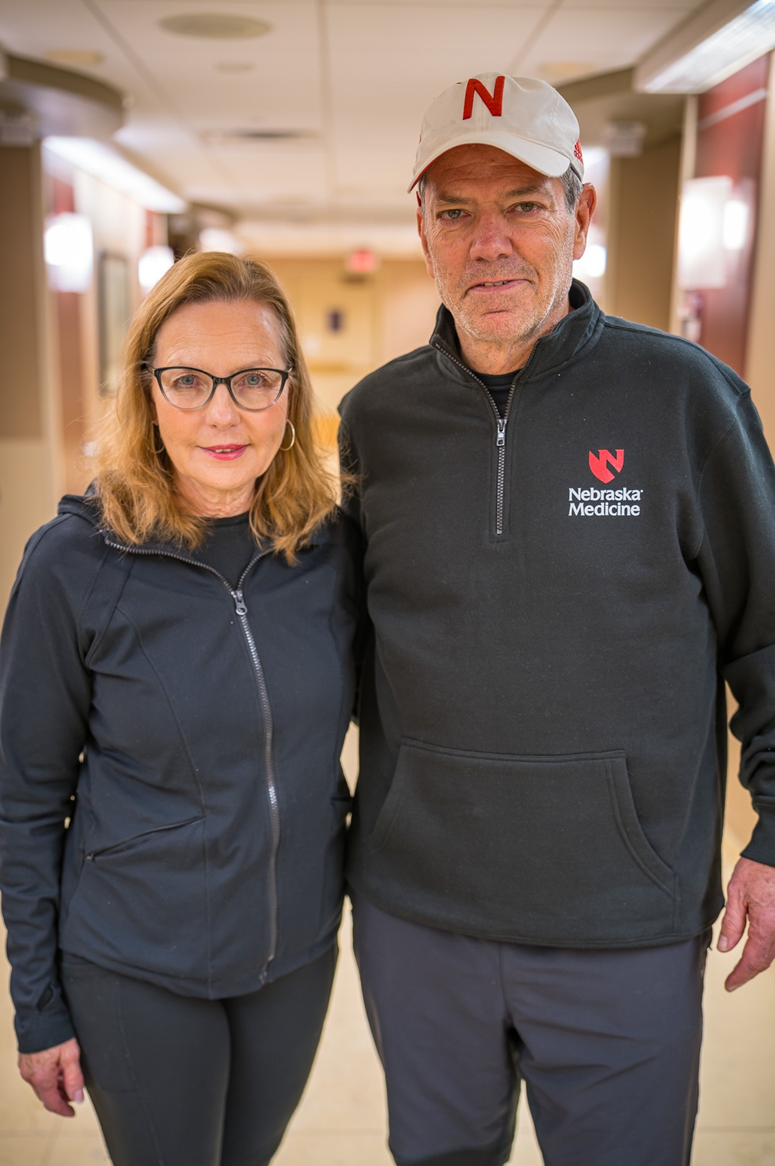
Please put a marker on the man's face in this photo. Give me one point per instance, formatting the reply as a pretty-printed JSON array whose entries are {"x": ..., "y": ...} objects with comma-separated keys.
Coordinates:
[{"x": 500, "y": 242}]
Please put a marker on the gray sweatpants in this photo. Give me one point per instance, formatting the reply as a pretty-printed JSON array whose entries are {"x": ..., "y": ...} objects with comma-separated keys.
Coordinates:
[{"x": 607, "y": 1043}]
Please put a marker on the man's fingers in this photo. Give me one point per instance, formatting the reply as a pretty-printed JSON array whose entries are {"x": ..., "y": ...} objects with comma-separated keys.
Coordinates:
[
  {"x": 733, "y": 922},
  {"x": 757, "y": 956},
  {"x": 55, "y": 1075},
  {"x": 53, "y": 1100},
  {"x": 72, "y": 1077},
  {"x": 751, "y": 900},
  {"x": 46, "y": 1083}
]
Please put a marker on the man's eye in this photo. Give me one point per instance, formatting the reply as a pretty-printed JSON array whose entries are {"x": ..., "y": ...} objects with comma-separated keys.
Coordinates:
[
  {"x": 452, "y": 215},
  {"x": 527, "y": 207}
]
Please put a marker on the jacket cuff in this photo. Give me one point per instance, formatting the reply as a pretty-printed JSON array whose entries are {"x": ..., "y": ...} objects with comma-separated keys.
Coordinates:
[
  {"x": 761, "y": 848},
  {"x": 35, "y": 1031}
]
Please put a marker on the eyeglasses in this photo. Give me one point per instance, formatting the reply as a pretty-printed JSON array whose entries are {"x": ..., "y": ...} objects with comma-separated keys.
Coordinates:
[{"x": 253, "y": 389}]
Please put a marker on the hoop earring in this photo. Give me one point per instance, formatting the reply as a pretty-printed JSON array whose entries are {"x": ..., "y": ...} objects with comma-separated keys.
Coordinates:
[
  {"x": 158, "y": 452},
  {"x": 285, "y": 448}
]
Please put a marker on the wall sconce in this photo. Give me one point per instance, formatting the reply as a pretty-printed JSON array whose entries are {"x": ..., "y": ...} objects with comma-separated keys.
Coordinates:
[
  {"x": 152, "y": 265},
  {"x": 715, "y": 224},
  {"x": 69, "y": 252},
  {"x": 700, "y": 233},
  {"x": 734, "y": 232}
]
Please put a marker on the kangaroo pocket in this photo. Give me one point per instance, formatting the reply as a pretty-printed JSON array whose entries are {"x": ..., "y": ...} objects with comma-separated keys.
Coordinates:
[
  {"x": 547, "y": 849},
  {"x": 143, "y": 902}
]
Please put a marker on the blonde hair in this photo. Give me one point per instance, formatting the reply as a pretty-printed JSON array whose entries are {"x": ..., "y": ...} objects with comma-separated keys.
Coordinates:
[{"x": 135, "y": 480}]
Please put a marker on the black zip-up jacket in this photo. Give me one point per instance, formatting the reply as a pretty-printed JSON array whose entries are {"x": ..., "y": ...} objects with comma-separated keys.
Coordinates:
[
  {"x": 557, "y": 597},
  {"x": 205, "y": 847}
]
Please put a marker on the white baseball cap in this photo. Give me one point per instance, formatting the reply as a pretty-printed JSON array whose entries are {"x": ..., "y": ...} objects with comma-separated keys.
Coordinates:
[{"x": 523, "y": 116}]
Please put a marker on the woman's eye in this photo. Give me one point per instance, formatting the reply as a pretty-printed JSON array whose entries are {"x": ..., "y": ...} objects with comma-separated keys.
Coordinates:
[
  {"x": 189, "y": 381},
  {"x": 252, "y": 380}
]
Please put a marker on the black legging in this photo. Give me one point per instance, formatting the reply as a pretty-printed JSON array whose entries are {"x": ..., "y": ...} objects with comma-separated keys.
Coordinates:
[{"x": 180, "y": 1081}]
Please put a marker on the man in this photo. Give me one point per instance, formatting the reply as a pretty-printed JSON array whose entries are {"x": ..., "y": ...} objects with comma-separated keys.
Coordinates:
[{"x": 570, "y": 527}]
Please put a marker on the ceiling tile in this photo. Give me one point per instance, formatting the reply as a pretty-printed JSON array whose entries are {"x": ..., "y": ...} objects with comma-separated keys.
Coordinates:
[
  {"x": 614, "y": 40},
  {"x": 378, "y": 99}
]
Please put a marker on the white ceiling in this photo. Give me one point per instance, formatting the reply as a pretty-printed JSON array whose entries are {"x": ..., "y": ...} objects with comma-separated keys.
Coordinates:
[{"x": 350, "y": 77}]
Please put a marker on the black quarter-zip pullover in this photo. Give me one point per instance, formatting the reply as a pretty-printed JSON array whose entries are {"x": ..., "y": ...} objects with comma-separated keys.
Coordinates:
[{"x": 557, "y": 596}]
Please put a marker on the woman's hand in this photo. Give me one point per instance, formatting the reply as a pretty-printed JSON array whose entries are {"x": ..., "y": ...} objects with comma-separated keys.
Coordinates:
[{"x": 55, "y": 1075}]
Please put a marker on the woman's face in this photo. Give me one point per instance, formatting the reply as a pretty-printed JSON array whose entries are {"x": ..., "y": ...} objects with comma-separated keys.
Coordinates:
[{"x": 219, "y": 451}]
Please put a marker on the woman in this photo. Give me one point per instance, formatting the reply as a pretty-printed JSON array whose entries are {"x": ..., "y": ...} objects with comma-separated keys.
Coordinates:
[{"x": 176, "y": 685}]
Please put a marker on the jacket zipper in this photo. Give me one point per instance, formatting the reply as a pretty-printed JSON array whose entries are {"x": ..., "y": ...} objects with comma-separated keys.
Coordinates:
[
  {"x": 241, "y": 610},
  {"x": 500, "y": 437},
  {"x": 500, "y": 429}
]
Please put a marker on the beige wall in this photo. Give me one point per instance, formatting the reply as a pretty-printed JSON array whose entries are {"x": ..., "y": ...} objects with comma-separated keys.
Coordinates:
[
  {"x": 28, "y": 456},
  {"x": 643, "y": 208},
  {"x": 383, "y": 315},
  {"x": 22, "y": 412}
]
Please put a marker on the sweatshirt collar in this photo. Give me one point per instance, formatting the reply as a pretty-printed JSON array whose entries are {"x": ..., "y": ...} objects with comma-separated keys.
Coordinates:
[{"x": 563, "y": 343}]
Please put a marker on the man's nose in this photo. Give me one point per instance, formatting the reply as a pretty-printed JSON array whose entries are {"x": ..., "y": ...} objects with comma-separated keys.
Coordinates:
[
  {"x": 220, "y": 409},
  {"x": 491, "y": 238}
]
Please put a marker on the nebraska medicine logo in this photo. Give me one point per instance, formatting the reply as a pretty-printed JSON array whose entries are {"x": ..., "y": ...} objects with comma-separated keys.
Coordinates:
[
  {"x": 589, "y": 501},
  {"x": 599, "y": 465}
]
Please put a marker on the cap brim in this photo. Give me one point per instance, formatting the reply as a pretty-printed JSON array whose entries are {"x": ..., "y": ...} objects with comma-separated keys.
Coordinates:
[{"x": 541, "y": 158}]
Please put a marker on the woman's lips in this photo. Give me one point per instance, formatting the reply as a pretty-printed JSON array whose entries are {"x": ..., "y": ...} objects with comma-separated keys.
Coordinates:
[{"x": 224, "y": 453}]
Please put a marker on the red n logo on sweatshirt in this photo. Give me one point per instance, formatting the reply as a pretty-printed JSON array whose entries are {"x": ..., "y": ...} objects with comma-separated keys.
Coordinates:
[
  {"x": 493, "y": 101},
  {"x": 599, "y": 465}
]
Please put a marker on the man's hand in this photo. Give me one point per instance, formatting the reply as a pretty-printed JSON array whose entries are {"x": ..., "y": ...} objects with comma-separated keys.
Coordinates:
[
  {"x": 55, "y": 1075},
  {"x": 751, "y": 893}
]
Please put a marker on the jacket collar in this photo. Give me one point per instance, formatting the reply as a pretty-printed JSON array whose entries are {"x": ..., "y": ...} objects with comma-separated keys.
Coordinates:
[
  {"x": 563, "y": 343},
  {"x": 86, "y": 506}
]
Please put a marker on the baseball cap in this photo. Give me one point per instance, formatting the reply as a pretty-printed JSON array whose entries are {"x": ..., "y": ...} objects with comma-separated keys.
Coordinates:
[{"x": 523, "y": 116}]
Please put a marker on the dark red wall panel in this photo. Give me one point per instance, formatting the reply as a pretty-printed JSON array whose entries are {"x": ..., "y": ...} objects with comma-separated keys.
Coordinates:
[{"x": 730, "y": 136}]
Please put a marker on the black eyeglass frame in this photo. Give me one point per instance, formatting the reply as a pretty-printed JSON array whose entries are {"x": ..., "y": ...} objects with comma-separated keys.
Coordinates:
[{"x": 285, "y": 373}]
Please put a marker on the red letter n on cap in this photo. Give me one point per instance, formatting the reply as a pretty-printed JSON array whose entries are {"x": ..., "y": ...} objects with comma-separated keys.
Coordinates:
[{"x": 493, "y": 101}]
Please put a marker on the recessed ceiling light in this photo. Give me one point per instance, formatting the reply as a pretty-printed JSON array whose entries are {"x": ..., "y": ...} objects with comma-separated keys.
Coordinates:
[
  {"x": 215, "y": 25},
  {"x": 235, "y": 66},
  {"x": 75, "y": 58},
  {"x": 105, "y": 163}
]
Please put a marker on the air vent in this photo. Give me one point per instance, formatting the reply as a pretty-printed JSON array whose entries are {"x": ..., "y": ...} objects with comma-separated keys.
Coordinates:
[
  {"x": 214, "y": 25},
  {"x": 223, "y": 137}
]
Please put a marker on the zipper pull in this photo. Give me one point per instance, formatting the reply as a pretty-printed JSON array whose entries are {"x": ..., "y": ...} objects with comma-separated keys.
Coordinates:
[
  {"x": 239, "y": 603},
  {"x": 501, "y": 436}
]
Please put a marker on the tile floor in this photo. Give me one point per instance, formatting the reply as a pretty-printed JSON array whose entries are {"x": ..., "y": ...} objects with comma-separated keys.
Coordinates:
[{"x": 341, "y": 1121}]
